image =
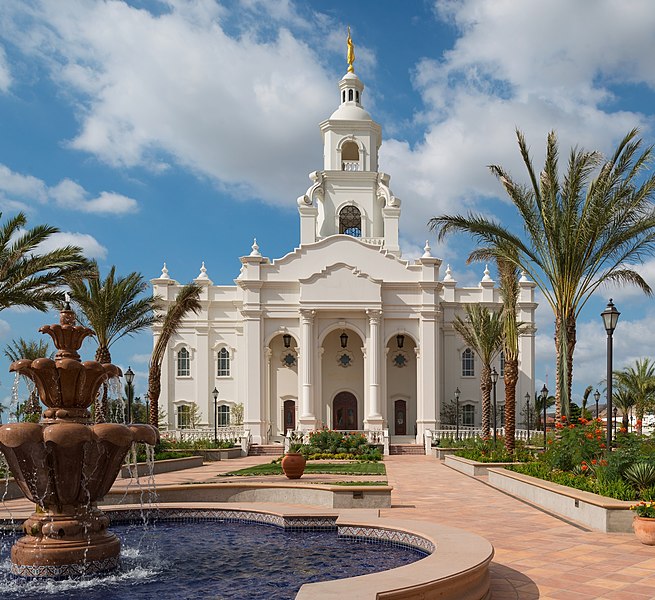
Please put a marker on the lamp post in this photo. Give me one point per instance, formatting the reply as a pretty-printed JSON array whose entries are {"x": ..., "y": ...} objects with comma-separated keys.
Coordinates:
[
  {"x": 457, "y": 393},
  {"x": 147, "y": 399},
  {"x": 544, "y": 397},
  {"x": 610, "y": 318},
  {"x": 129, "y": 378},
  {"x": 215, "y": 395},
  {"x": 527, "y": 403},
  {"x": 596, "y": 398},
  {"x": 494, "y": 380},
  {"x": 615, "y": 411}
]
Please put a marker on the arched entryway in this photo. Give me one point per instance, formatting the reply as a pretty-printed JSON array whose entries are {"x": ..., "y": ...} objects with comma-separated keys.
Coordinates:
[{"x": 344, "y": 411}]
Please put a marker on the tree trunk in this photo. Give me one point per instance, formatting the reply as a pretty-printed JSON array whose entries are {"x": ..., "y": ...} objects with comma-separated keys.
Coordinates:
[
  {"x": 485, "y": 389},
  {"x": 571, "y": 338},
  {"x": 558, "y": 370},
  {"x": 101, "y": 408},
  {"x": 154, "y": 389},
  {"x": 511, "y": 377}
]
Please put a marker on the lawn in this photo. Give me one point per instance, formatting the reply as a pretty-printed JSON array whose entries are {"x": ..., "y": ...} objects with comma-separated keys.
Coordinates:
[{"x": 355, "y": 468}]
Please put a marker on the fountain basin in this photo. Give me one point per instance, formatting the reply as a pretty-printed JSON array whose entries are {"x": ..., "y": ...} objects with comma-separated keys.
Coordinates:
[{"x": 456, "y": 567}]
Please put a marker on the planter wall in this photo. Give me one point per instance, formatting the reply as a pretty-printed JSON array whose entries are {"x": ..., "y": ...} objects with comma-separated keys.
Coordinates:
[
  {"x": 164, "y": 466},
  {"x": 469, "y": 467},
  {"x": 441, "y": 453},
  {"x": 594, "y": 511}
]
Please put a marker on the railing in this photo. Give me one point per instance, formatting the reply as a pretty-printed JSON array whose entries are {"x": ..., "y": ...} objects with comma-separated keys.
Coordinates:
[
  {"x": 373, "y": 436},
  {"x": 376, "y": 241},
  {"x": 223, "y": 434},
  {"x": 450, "y": 433},
  {"x": 350, "y": 165}
]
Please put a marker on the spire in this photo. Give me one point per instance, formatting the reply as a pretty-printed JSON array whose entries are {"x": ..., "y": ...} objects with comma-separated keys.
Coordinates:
[
  {"x": 255, "y": 249},
  {"x": 350, "y": 56}
]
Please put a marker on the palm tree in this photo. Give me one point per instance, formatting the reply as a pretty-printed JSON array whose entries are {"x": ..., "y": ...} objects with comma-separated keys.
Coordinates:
[
  {"x": 482, "y": 332},
  {"x": 30, "y": 349},
  {"x": 639, "y": 382},
  {"x": 577, "y": 234},
  {"x": 113, "y": 308},
  {"x": 539, "y": 408},
  {"x": 509, "y": 290},
  {"x": 624, "y": 401},
  {"x": 187, "y": 300},
  {"x": 585, "y": 398},
  {"x": 28, "y": 276}
]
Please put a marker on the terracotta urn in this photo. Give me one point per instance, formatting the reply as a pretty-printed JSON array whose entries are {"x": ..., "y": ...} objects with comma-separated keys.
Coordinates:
[
  {"x": 644, "y": 530},
  {"x": 293, "y": 465}
]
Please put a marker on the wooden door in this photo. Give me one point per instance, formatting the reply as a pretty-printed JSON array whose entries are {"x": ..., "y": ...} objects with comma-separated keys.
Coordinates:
[
  {"x": 344, "y": 412},
  {"x": 289, "y": 415},
  {"x": 400, "y": 417}
]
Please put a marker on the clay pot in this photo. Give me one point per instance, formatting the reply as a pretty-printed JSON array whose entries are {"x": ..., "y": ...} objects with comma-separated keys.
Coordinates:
[
  {"x": 644, "y": 530},
  {"x": 293, "y": 465}
]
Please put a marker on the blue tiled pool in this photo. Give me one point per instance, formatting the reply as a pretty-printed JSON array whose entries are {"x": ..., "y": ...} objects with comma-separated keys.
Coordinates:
[{"x": 214, "y": 560}]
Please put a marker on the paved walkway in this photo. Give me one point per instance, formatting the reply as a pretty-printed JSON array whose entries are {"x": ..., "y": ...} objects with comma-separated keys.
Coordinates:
[{"x": 537, "y": 555}]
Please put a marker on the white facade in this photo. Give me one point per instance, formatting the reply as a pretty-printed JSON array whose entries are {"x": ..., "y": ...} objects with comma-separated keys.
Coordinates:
[{"x": 400, "y": 359}]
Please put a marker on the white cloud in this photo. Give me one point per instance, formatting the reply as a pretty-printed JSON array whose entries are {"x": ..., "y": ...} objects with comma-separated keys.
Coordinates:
[
  {"x": 242, "y": 110},
  {"x": 5, "y": 74},
  {"x": 508, "y": 70},
  {"x": 17, "y": 190},
  {"x": 140, "y": 358},
  {"x": 90, "y": 246}
]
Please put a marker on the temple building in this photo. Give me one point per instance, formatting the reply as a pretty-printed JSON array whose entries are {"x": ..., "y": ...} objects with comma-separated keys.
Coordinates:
[{"x": 341, "y": 332}]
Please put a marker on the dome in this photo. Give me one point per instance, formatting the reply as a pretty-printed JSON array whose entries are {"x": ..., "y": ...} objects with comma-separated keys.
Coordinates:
[{"x": 350, "y": 112}]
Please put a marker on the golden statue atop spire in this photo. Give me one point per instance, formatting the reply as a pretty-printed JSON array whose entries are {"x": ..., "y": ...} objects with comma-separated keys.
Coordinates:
[{"x": 350, "y": 57}]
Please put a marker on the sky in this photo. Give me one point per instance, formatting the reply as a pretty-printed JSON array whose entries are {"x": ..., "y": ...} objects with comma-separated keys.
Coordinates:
[{"x": 178, "y": 131}]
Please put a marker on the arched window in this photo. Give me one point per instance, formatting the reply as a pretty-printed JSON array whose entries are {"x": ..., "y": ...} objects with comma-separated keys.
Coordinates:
[
  {"x": 343, "y": 96},
  {"x": 350, "y": 221},
  {"x": 357, "y": 96},
  {"x": 350, "y": 94},
  {"x": 183, "y": 417},
  {"x": 468, "y": 363},
  {"x": 223, "y": 363},
  {"x": 183, "y": 363},
  {"x": 223, "y": 416},
  {"x": 468, "y": 415}
]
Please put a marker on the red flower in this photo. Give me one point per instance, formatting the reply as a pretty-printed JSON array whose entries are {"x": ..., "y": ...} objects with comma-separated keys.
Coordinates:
[
  {"x": 563, "y": 417},
  {"x": 571, "y": 426},
  {"x": 603, "y": 446},
  {"x": 593, "y": 461},
  {"x": 584, "y": 467}
]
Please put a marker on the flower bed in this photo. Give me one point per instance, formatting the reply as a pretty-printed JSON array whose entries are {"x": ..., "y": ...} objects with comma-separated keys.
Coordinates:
[{"x": 326, "y": 444}]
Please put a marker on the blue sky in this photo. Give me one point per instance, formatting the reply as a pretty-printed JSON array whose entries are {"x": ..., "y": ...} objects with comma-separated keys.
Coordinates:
[{"x": 177, "y": 131}]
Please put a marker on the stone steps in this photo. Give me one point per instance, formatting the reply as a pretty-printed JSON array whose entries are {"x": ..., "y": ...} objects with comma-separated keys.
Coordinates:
[
  {"x": 406, "y": 449},
  {"x": 266, "y": 450}
]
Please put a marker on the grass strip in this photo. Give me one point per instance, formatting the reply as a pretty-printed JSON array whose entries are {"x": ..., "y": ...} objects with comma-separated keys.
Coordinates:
[{"x": 367, "y": 468}]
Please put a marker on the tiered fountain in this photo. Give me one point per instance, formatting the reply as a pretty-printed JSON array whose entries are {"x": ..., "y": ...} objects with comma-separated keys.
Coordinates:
[{"x": 64, "y": 464}]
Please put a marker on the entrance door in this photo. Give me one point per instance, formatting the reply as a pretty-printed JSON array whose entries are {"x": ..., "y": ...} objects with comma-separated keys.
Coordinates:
[
  {"x": 400, "y": 417},
  {"x": 344, "y": 411},
  {"x": 289, "y": 415}
]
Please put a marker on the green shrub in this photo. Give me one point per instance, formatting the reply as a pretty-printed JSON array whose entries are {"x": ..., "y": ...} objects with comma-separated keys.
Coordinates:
[
  {"x": 481, "y": 450},
  {"x": 640, "y": 475}
]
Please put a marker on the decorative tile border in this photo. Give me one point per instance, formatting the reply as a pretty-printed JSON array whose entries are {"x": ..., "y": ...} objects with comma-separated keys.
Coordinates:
[
  {"x": 393, "y": 537},
  {"x": 63, "y": 571},
  {"x": 296, "y": 523}
]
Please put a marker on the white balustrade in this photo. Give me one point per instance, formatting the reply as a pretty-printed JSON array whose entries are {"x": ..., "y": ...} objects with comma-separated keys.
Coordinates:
[{"x": 350, "y": 165}]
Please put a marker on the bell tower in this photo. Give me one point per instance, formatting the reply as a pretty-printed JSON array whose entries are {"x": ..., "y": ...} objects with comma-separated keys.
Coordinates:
[{"x": 350, "y": 196}]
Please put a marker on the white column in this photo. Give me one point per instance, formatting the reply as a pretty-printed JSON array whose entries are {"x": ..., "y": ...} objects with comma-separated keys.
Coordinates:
[
  {"x": 307, "y": 418},
  {"x": 429, "y": 373},
  {"x": 267, "y": 397},
  {"x": 374, "y": 418},
  {"x": 254, "y": 390}
]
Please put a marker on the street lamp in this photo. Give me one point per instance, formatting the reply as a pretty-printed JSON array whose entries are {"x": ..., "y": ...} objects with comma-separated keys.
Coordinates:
[
  {"x": 494, "y": 380},
  {"x": 215, "y": 394},
  {"x": 610, "y": 318},
  {"x": 457, "y": 393},
  {"x": 615, "y": 411},
  {"x": 129, "y": 378},
  {"x": 596, "y": 398},
  {"x": 527, "y": 403},
  {"x": 544, "y": 397}
]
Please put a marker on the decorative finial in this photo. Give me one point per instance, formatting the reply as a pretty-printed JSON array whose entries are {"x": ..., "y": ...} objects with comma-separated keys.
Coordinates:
[
  {"x": 203, "y": 272},
  {"x": 255, "y": 249},
  {"x": 164, "y": 273},
  {"x": 524, "y": 277},
  {"x": 426, "y": 250},
  {"x": 487, "y": 276},
  {"x": 350, "y": 56},
  {"x": 449, "y": 274}
]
